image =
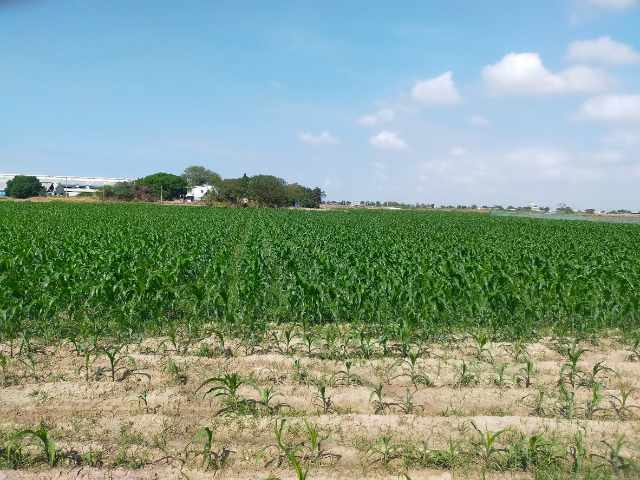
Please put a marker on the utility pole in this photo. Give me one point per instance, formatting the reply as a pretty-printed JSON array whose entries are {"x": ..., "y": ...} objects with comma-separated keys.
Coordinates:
[
  {"x": 160, "y": 193},
  {"x": 66, "y": 184}
]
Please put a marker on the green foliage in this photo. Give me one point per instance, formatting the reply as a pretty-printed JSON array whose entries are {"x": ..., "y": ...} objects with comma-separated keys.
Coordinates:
[
  {"x": 24, "y": 186},
  {"x": 197, "y": 175},
  {"x": 226, "y": 388},
  {"x": 115, "y": 359},
  {"x": 397, "y": 278},
  {"x": 172, "y": 186},
  {"x": 289, "y": 452},
  {"x": 38, "y": 438},
  {"x": 483, "y": 444}
]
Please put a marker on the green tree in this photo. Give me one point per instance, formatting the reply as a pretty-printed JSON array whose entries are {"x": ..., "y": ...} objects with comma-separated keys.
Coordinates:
[
  {"x": 172, "y": 186},
  {"x": 196, "y": 175},
  {"x": 123, "y": 191},
  {"x": 24, "y": 186},
  {"x": 268, "y": 190},
  {"x": 318, "y": 195}
]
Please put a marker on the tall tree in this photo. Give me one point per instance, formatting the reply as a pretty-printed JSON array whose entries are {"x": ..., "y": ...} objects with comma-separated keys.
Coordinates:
[
  {"x": 172, "y": 186},
  {"x": 268, "y": 190},
  {"x": 197, "y": 175},
  {"x": 24, "y": 186}
]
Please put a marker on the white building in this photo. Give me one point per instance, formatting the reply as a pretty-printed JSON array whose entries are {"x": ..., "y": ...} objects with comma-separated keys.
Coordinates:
[
  {"x": 71, "y": 186},
  {"x": 195, "y": 194}
]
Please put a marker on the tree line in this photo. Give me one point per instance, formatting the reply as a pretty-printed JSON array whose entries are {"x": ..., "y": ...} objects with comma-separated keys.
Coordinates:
[{"x": 257, "y": 190}]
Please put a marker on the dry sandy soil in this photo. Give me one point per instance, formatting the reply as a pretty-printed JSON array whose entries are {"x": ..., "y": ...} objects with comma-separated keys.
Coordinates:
[{"x": 103, "y": 429}]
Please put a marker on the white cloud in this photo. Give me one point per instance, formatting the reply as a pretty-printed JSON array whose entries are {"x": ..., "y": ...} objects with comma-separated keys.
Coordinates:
[
  {"x": 384, "y": 115},
  {"x": 622, "y": 138},
  {"x": 325, "y": 138},
  {"x": 524, "y": 74},
  {"x": 521, "y": 165},
  {"x": 388, "y": 141},
  {"x": 480, "y": 121},
  {"x": 610, "y": 108},
  {"x": 438, "y": 91},
  {"x": 611, "y": 4},
  {"x": 603, "y": 50},
  {"x": 458, "y": 152}
]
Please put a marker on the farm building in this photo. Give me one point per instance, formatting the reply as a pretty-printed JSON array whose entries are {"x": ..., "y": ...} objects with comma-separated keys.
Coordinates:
[
  {"x": 195, "y": 194},
  {"x": 66, "y": 185}
]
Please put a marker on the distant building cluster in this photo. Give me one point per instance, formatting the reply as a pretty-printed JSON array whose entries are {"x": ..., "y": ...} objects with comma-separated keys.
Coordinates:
[{"x": 65, "y": 185}]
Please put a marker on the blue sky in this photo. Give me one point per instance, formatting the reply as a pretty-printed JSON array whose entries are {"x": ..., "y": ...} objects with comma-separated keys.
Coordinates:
[{"x": 435, "y": 101}]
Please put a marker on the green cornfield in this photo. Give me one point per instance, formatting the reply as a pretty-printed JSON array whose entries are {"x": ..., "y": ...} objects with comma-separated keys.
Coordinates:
[{"x": 129, "y": 269}]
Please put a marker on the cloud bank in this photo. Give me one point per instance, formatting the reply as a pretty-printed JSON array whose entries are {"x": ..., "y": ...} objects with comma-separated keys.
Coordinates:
[
  {"x": 524, "y": 74},
  {"x": 603, "y": 50}
]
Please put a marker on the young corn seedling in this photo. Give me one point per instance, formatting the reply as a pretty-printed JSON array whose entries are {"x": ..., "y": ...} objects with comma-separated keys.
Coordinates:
[
  {"x": 622, "y": 400},
  {"x": 593, "y": 402},
  {"x": 209, "y": 457},
  {"x": 499, "y": 382},
  {"x": 39, "y": 438},
  {"x": 311, "y": 342},
  {"x": 86, "y": 366},
  {"x": 406, "y": 403},
  {"x": 116, "y": 359},
  {"x": 224, "y": 350},
  {"x": 289, "y": 452},
  {"x": 386, "y": 451},
  {"x": 266, "y": 396},
  {"x": 524, "y": 374},
  {"x": 177, "y": 373},
  {"x": 447, "y": 458},
  {"x": 26, "y": 341},
  {"x": 30, "y": 363},
  {"x": 422, "y": 453},
  {"x": 567, "y": 403},
  {"x": 634, "y": 347},
  {"x": 322, "y": 399},
  {"x": 315, "y": 440},
  {"x": 404, "y": 343},
  {"x": 616, "y": 460},
  {"x": 299, "y": 373},
  {"x": 480, "y": 346},
  {"x": 172, "y": 338},
  {"x": 467, "y": 377},
  {"x": 534, "y": 451},
  {"x": 518, "y": 350},
  {"x": 379, "y": 402},
  {"x": 226, "y": 388},
  {"x": 330, "y": 337},
  {"x": 347, "y": 377},
  {"x": 366, "y": 344},
  {"x": 411, "y": 370},
  {"x": 577, "y": 451},
  {"x": 537, "y": 402},
  {"x": 76, "y": 339},
  {"x": 383, "y": 343},
  {"x": 288, "y": 337},
  {"x": 142, "y": 400},
  {"x": 484, "y": 444},
  {"x": 589, "y": 378},
  {"x": 4, "y": 363},
  {"x": 573, "y": 353}
]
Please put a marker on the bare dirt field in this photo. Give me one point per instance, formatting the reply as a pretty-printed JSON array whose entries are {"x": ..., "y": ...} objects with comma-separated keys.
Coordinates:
[{"x": 426, "y": 414}]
